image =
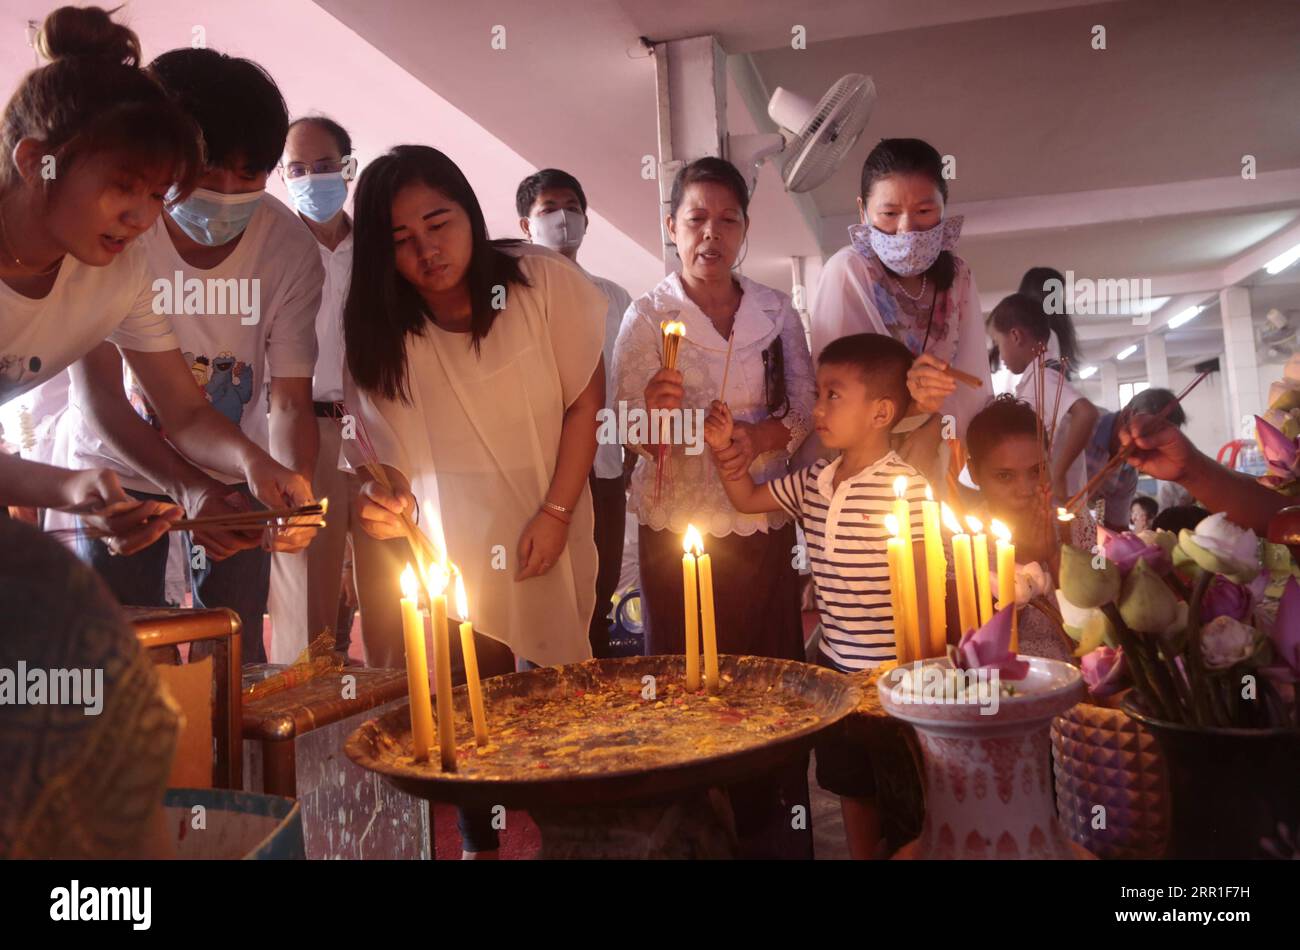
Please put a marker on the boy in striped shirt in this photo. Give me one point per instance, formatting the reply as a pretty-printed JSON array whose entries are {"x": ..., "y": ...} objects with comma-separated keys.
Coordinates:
[{"x": 841, "y": 506}]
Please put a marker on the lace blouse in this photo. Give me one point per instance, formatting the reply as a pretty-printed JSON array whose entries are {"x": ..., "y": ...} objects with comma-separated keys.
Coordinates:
[{"x": 692, "y": 490}]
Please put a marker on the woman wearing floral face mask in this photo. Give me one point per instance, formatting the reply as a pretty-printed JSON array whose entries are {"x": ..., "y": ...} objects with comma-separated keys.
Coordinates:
[{"x": 899, "y": 277}]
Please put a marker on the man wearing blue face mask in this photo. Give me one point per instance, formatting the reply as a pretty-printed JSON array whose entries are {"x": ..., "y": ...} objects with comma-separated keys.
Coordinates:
[
  {"x": 317, "y": 167},
  {"x": 553, "y": 213},
  {"x": 236, "y": 272}
]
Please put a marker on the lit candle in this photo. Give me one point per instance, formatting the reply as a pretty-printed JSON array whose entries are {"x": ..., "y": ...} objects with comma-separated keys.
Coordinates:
[
  {"x": 472, "y": 683},
  {"x": 984, "y": 591},
  {"x": 1064, "y": 526},
  {"x": 936, "y": 578},
  {"x": 1006, "y": 576},
  {"x": 691, "y": 545},
  {"x": 706, "y": 615},
  {"x": 417, "y": 667},
  {"x": 892, "y": 557},
  {"x": 437, "y": 585},
  {"x": 907, "y": 568},
  {"x": 967, "y": 612}
]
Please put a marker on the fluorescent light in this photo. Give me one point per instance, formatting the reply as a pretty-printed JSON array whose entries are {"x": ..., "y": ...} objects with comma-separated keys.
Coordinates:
[
  {"x": 1186, "y": 316},
  {"x": 1148, "y": 305},
  {"x": 1283, "y": 261},
  {"x": 1126, "y": 352},
  {"x": 1087, "y": 371}
]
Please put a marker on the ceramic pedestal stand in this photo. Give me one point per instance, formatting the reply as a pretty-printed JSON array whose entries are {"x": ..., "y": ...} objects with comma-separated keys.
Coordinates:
[{"x": 987, "y": 770}]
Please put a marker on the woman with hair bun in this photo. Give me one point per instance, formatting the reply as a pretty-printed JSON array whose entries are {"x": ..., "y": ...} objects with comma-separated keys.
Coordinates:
[{"x": 91, "y": 149}]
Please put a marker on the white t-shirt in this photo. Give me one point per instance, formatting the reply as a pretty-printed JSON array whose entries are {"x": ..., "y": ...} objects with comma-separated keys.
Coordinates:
[
  {"x": 1077, "y": 475},
  {"x": 327, "y": 384},
  {"x": 609, "y": 458},
  {"x": 255, "y": 319},
  {"x": 86, "y": 305}
]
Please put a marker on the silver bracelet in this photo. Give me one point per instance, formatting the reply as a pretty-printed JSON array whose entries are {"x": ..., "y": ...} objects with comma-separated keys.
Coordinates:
[{"x": 560, "y": 508}]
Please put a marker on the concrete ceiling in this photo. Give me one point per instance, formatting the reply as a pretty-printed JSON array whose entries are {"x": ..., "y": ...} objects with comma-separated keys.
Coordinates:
[{"x": 1117, "y": 163}]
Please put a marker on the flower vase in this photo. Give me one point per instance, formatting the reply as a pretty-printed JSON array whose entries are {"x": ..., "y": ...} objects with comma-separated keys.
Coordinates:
[
  {"x": 1234, "y": 793},
  {"x": 1104, "y": 758},
  {"x": 988, "y": 786}
]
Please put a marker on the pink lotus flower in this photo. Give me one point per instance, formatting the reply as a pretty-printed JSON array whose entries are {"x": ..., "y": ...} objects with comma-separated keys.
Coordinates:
[
  {"x": 1281, "y": 453},
  {"x": 1226, "y": 599},
  {"x": 1286, "y": 631},
  {"x": 989, "y": 647},
  {"x": 1126, "y": 549},
  {"x": 1105, "y": 671}
]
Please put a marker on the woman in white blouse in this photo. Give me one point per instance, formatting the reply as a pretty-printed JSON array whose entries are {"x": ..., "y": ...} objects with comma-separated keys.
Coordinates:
[
  {"x": 476, "y": 368},
  {"x": 770, "y": 390},
  {"x": 898, "y": 276}
]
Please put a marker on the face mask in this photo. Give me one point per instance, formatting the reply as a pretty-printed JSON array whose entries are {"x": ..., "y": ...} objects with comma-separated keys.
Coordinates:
[
  {"x": 560, "y": 230},
  {"x": 318, "y": 197},
  {"x": 213, "y": 218},
  {"x": 907, "y": 253}
]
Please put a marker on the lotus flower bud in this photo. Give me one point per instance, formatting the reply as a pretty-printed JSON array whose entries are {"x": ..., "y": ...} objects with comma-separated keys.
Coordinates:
[
  {"x": 1084, "y": 585},
  {"x": 1147, "y": 604}
]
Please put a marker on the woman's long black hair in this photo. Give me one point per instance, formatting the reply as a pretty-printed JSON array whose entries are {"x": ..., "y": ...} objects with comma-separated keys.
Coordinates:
[
  {"x": 911, "y": 157},
  {"x": 382, "y": 307}
]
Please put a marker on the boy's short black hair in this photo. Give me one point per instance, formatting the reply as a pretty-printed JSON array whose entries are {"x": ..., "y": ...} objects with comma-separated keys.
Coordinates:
[
  {"x": 1153, "y": 401},
  {"x": 880, "y": 360},
  {"x": 545, "y": 180},
  {"x": 1024, "y": 312},
  {"x": 1003, "y": 416},
  {"x": 234, "y": 101},
  {"x": 335, "y": 131},
  {"x": 1177, "y": 518},
  {"x": 1149, "y": 505}
]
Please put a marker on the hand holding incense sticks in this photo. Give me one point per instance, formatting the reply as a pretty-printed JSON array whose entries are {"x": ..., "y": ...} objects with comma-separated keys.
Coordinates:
[{"x": 673, "y": 331}]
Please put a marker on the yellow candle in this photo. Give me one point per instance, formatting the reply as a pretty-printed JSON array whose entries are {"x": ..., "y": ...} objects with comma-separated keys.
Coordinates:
[
  {"x": 907, "y": 568},
  {"x": 692, "y": 545},
  {"x": 892, "y": 547},
  {"x": 963, "y": 566},
  {"x": 1006, "y": 576},
  {"x": 437, "y": 585},
  {"x": 980, "y": 543},
  {"x": 710, "y": 627},
  {"x": 473, "y": 684},
  {"x": 936, "y": 578},
  {"x": 417, "y": 667}
]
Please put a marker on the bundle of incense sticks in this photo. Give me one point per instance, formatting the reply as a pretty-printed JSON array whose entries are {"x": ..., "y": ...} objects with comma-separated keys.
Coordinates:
[
  {"x": 673, "y": 331},
  {"x": 311, "y": 515},
  {"x": 424, "y": 550},
  {"x": 1122, "y": 455}
]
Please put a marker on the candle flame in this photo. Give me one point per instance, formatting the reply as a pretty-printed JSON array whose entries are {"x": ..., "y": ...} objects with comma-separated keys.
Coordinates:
[
  {"x": 1063, "y": 515},
  {"x": 462, "y": 602},
  {"x": 410, "y": 587},
  {"x": 900, "y": 486},
  {"x": 438, "y": 576},
  {"x": 949, "y": 518},
  {"x": 692, "y": 541},
  {"x": 929, "y": 495},
  {"x": 976, "y": 526},
  {"x": 891, "y": 524},
  {"x": 673, "y": 328},
  {"x": 1000, "y": 531}
]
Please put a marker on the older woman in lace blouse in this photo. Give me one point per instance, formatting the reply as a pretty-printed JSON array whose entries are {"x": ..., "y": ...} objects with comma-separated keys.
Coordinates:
[{"x": 770, "y": 389}]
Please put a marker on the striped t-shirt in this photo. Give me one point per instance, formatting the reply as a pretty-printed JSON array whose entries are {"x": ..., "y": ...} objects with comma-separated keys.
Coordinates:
[{"x": 846, "y": 534}]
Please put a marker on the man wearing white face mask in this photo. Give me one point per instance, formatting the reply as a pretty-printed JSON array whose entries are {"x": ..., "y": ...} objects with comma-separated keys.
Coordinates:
[
  {"x": 237, "y": 274},
  {"x": 317, "y": 167},
  {"x": 553, "y": 213}
]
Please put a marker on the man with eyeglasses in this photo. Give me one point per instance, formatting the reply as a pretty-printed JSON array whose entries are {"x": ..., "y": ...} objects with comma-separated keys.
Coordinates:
[{"x": 317, "y": 166}]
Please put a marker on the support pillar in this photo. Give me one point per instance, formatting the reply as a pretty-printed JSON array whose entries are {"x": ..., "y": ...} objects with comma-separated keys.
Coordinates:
[
  {"x": 1157, "y": 361},
  {"x": 1241, "y": 368}
]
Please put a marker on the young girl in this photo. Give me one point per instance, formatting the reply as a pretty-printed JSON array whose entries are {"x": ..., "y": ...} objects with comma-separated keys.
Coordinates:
[
  {"x": 476, "y": 368},
  {"x": 1005, "y": 462},
  {"x": 90, "y": 147}
]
